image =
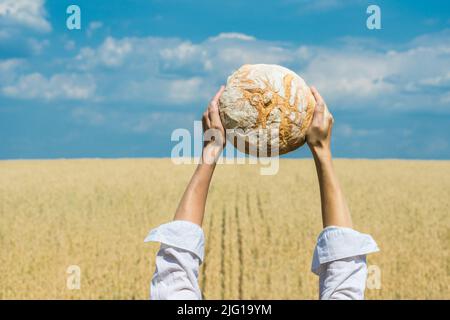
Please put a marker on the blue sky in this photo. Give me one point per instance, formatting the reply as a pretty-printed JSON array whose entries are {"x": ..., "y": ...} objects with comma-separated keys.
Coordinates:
[{"x": 139, "y": 69}]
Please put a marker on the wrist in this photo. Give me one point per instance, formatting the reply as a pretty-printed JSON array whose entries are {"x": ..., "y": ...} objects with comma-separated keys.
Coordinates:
[
  {"x": 205, "y": 171},
  {"x": 211, "y": 153},
  {"x": 321, "y": 154}
]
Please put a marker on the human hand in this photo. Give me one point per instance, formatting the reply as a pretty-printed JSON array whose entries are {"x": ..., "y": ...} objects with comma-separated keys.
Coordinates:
[
  {"x": 318, "y": 135},
  {"x": 213, "y": 131}
]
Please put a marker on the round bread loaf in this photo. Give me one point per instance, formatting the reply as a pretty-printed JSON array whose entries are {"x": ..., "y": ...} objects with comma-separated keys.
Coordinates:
[{"x": 267, "y": 109}]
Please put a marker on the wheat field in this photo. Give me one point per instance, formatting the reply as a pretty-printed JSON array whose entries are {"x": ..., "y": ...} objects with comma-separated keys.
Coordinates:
[{"x": 260, "y": 230}]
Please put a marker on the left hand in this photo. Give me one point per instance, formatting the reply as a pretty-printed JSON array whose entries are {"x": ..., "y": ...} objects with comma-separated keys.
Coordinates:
[
  {"x": 213, "y": 130},
  {"x": 318, "y": 135}
]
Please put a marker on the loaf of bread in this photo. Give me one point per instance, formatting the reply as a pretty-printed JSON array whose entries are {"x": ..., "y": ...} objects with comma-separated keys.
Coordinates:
[{"x": 266, "y": 108}]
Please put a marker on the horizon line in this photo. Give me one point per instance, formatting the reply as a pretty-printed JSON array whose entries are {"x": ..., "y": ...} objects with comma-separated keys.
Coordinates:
[{"x": 193, "y": 158}]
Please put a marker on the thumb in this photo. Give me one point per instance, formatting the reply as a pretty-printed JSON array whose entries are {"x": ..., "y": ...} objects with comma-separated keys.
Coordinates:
[
  {"x": 318, "y": 113},
  {"x": 320, "y": 104}
]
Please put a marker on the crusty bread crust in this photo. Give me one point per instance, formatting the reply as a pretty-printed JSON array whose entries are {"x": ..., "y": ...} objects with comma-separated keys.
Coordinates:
[{"x": 252, "y": 104}]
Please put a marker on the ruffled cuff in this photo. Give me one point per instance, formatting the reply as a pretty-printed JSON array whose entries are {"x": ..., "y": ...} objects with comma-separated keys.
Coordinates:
[
  {"x": 335, "y": 243},
  {"x": 180, "y": 234}
]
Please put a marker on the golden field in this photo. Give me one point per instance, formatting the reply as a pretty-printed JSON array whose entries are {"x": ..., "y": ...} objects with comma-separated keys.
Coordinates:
[{"x": 260, "y": 230}]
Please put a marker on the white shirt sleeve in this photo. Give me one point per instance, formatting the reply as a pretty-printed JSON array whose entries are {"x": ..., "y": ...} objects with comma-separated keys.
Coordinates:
[
  {"x": 340, "y": 262},
  {"x": 178, "y": 261}
]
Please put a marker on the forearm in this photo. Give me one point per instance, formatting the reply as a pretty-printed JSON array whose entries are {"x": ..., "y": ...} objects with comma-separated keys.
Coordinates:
[
  {"x": 335, "y": 211},
  {"x": 182, "y": 242},
  {"x": 340, "y": 254},
  {"x": 192, "y": 204}
]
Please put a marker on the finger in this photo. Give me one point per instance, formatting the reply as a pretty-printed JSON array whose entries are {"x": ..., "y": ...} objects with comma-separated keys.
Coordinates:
[
  {"x": 213, "y": 109},
  {"x": 327, "y": 112},
  {"x": 330, "y": 120},
  {"x": 319, "y": 100},
  {"x": 205, "y": 120},
  {"x": 215, "y": 100},
  {"x": 316, "y": 95},
  {"x": 214, "y": 118}
]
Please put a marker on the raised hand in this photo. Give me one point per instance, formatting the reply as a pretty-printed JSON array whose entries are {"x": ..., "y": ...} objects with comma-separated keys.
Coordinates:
[
  {"x": 213, "y": 130},
  {"x": 318, "y": 135}
]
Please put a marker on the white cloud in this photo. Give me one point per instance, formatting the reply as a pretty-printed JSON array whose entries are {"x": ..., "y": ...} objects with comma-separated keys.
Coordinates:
[
  {"x": 58, "y": 86},
  {"x": 170, "y": 70},
  {"x": 232, "y": 35},
  {"x": 9, "y": 65},
  {"x": 111, "y": 53},
  {"x": 188, "y": 90},
  {"x": 38, "y": 46},
  {"x": 9, "y": 68},
  {"x": 346, "y": 131},
  {"x": 348, "y": 76},
  {"x": 92, "y": 27},
  {"x": 69, "y": 45},
  {"x": 356, "y": 73},
  {"x": 355, "y": 76},
  {"x": 185, "y": 55},
  {"x": 27, "y": 13}
]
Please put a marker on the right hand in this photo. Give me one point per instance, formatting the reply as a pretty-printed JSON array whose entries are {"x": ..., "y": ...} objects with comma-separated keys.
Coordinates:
[
  {"x": 318, "y": 135},
  {"x": 213, "y": 130}
]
